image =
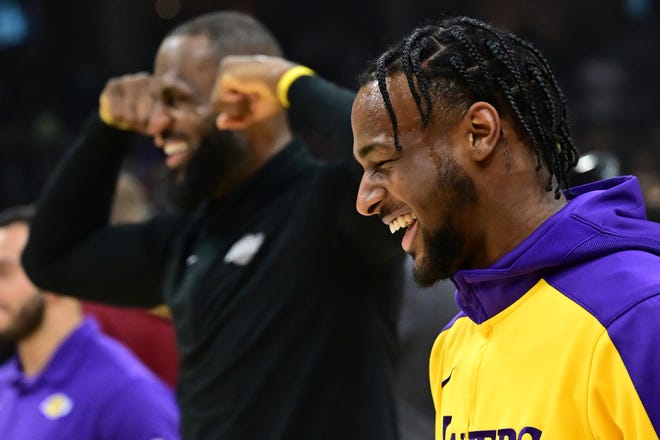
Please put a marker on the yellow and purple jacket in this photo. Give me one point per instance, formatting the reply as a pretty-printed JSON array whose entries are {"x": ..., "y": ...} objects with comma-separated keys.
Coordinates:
[{"x": 560, "y": 339}]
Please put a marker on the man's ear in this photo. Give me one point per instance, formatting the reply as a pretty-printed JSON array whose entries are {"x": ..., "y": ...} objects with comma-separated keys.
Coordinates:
[{"x": 483, "y": 130}]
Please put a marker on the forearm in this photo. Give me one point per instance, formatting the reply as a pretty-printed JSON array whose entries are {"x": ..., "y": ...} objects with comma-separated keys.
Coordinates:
[
  {"x": 325, "y": 108},
  {"x": 71, "y": 249},
  {"x": 78, "y": 195}
]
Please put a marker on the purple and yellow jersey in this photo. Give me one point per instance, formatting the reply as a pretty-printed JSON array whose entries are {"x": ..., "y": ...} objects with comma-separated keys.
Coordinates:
[{"x": 561, "y": 338}]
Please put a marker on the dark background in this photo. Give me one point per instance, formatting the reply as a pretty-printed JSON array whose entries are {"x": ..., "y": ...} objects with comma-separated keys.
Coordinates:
[{"x": 56, "y": 55}]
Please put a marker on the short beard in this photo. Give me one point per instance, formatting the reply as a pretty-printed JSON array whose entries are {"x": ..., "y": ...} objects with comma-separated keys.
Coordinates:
[
  {"x": 27, "y": 321},
  {"x": 211, "y": 166},
  {"x": 443, "y": 249},
  {"x": 445, "y": 246}
]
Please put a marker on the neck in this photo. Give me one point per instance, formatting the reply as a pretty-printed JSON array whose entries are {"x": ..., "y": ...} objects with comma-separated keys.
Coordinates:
[
  {"x": 512, "y": 213},
  {"x": 525, "y": 218},
  {"x": 36, "y": 351}
]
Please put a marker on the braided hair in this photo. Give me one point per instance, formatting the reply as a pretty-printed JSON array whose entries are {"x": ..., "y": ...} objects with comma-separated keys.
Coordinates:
[{"x": 461, "y": 60}]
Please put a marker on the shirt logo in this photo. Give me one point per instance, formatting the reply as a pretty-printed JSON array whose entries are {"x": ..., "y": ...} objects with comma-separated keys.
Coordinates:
[
  {"x": 527, "y": 432},
  {"x": 56, "y": 405},
  {"x": 244, "y": 249}
]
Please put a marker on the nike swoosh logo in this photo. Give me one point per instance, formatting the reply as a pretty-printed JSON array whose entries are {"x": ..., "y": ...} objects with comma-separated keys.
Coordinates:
[{"x": 444, "y": 381}]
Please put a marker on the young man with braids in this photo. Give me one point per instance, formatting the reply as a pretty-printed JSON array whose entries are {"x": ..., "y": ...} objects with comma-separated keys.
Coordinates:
[
  {"x": 462, "y": 132},
  {"x": 284, "y": 298}
]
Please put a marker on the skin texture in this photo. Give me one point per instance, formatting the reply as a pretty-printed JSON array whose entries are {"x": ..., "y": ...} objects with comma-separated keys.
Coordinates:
[
  {"x": 21, "y": 304},
  {"x": 468, "y": 178},
  {"x": 171, "y": 106},
  {"x": 37, "y": 322},
  {"x": 244, "y": 92},
  {"x": 243, "y": 98}
]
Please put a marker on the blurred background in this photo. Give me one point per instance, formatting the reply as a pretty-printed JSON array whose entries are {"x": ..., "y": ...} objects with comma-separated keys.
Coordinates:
[{"x": 55, "y": 57}]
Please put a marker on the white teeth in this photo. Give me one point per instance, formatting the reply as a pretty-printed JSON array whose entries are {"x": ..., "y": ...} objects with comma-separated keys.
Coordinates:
[
  {"x": 175, "y": 147},
  {"x": 402, "y": 221}
]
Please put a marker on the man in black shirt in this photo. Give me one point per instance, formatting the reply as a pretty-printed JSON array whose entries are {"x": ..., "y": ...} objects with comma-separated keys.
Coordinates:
[
  {"x": 283, "y": 297},
  {"x": 247, "y": 89}
]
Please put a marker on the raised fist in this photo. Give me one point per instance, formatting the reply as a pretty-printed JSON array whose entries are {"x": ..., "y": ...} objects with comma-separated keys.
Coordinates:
[
  {"x": 127, "y": 102},
  {"x": 245, "y": 91}
]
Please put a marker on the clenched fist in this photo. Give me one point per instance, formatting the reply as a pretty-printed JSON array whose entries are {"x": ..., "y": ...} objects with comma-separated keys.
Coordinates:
[
  {"x": 127, "y": 102},
  {"x": 245, "y": 90}
]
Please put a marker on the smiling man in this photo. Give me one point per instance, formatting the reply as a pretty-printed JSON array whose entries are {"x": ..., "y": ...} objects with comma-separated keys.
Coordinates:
[
  {"x": 284, "y": 298},
  {"x": 443, "y": 210},
  {"x": 462, "y": 133},
  {"x": 66, "y": 379}
]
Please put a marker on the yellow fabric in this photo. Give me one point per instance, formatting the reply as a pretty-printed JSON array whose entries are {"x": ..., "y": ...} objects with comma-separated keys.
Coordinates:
[
  {"x": 106, "y": 117},
  {"x": 543, "y": 366},
  {"x": 284, "y": 83}
]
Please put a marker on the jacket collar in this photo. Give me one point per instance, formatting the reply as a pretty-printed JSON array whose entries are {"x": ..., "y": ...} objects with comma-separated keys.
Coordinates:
[
  {"x": 611, "y": 210},
  {"x": 62, "y": 365}
]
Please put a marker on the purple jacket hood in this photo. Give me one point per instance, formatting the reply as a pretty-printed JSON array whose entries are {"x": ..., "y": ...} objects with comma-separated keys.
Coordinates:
[{"x": 604, "y": 217}]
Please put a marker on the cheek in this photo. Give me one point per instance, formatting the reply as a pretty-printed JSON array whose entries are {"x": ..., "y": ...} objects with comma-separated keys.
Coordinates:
[
  {"x": 5, "y": 315},
  {"x": 14, "y": 291},
  {"x": 421, "y": 186},
  {"x": 195, "y": 124}
]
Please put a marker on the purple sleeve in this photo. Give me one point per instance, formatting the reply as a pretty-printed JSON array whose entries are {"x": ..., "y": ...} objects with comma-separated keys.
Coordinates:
[
  {"x": 622, "y": 291},
  {"x": 636, "y": 335}
]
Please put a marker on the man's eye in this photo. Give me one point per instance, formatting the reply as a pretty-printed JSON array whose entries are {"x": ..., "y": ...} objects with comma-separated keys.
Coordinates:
[
  {"x": 171, "y": 99},
  {"x": 377, "y": 167}
]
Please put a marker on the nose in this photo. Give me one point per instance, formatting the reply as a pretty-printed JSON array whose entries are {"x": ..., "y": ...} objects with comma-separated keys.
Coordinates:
[
  {"x": 160, "y": 123},
  {"x": 369, "y": 197}
]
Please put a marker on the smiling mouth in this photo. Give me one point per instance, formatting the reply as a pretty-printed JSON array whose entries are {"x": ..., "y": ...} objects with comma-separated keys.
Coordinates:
[
  {"x": 177, "y": 153},
  {"x": 175, "y": 147},
  {"x": 402, "y": 221}
]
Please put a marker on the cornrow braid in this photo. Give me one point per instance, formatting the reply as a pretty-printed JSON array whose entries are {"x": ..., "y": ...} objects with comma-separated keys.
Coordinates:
[
  {"x": 412, "y": 63},
  {"x": 461, "y": 60},
  {"x": 382, "y": 85}
]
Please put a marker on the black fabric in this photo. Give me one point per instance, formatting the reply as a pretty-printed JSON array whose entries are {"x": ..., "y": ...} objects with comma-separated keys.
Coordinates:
[{"x": 298, "y": 342}]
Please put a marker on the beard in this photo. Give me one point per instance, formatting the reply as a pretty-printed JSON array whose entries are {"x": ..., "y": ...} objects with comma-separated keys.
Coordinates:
[
  {"x": 211, "y": 167},
  {"x": 28, "y": 319},
  {"x": 443, "y": 248},
  {"x": 445, "y": 245}
]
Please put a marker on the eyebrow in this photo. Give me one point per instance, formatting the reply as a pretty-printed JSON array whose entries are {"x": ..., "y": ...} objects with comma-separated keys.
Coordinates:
[{"x": 367, "y": 149}]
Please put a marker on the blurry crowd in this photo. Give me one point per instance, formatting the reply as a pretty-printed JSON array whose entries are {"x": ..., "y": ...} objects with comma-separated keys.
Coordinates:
[{"x": 56, "y": 64}]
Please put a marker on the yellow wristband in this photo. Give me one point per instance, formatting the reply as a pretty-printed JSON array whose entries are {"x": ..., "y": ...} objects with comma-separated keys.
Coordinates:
[
  {"x": 283, "y": 85},
  {"x": 105, "y": 116}
]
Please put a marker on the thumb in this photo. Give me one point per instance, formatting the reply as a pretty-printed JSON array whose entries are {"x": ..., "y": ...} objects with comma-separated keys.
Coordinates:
[
  {"x": 233, "y": 111},
  {"x": 243, "y": 103}
]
